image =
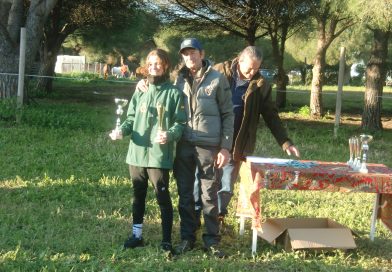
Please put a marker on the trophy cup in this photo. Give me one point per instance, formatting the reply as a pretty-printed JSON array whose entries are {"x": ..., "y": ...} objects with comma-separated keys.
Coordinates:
[
  {"x": 357, "y": 154},
  {"x": 350, "y": 162},
  {"x": 160, "y": 113},
  {"x": 365, "y": 139},
  {"x": 121, "y": 103}
]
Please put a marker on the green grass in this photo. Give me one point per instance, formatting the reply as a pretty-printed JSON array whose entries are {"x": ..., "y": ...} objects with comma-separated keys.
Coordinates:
[
  {"x": 352, "y": 99},
  {"x": 65, "y": 193}
]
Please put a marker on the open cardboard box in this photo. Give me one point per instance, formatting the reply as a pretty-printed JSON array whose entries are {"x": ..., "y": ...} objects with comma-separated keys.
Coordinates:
[{"x": 307, "y": 233}]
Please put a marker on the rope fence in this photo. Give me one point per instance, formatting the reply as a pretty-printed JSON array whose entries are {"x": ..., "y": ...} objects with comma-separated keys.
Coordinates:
[{"x": 120, "y": 80}]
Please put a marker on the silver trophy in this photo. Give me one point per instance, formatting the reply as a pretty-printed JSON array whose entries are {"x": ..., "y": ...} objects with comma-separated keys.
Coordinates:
[
  {"x": 350, "y": 162},
  {"x": 365, "y": 139},
  {"x": 357, "y": 154},
  {"x": 121, "y": 103}
]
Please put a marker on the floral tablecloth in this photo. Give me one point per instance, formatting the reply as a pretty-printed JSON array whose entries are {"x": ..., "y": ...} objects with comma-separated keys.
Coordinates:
[{"x": 311, "y": 175}]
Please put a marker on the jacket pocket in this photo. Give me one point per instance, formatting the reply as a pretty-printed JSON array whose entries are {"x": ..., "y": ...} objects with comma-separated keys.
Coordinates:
[{"x": 209, "y": 127}]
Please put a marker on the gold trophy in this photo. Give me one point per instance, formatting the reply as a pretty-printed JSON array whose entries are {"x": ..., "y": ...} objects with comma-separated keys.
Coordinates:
[{"x": 160, "y": 113}]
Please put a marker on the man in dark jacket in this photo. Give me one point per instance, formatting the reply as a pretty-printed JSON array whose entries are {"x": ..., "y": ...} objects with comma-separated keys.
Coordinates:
[
  {"x": 205, "y": 143},
  {"x": 251, "y": 96}
]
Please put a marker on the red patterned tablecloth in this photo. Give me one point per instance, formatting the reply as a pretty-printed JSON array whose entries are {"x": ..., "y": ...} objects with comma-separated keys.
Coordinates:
[{"x": 322, "y": 176}]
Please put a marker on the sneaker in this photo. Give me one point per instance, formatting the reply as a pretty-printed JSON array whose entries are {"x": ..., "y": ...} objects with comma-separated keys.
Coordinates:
[
  {"x": 184, "y": 246},
  {"x": 216, "y": 251},
  {"x": 133, "y": 242},
  {"x": 166, "y": 246}
]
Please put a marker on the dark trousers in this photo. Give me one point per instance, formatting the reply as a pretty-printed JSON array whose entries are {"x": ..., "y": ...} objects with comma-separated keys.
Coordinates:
[
  {"x": 160, "y": 181},
  {"x": 228, "y": 176},
  {"x": 188, "y": 158}
]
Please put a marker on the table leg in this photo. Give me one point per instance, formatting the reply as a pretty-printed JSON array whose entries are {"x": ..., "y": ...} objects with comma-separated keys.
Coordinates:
[
  {"x": 374, "y": 217},
  {"x": 242, "y": 225},
  {"x": 254, "y": 241}
]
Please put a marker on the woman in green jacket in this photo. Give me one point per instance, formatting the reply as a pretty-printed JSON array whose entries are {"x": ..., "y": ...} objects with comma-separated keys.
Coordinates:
[{"x": 155, "y": 121}]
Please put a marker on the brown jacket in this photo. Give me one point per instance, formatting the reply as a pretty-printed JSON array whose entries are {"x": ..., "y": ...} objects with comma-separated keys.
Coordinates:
[{"x": 257, "y": 101}]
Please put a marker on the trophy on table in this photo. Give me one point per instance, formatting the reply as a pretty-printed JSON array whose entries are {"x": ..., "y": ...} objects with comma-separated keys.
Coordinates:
[
  {"x": 357, "y": 154},
  {"x": 121, "y": 103},
  {"x": 365, "y": 139},
  {"x": 350, "y": 162}
]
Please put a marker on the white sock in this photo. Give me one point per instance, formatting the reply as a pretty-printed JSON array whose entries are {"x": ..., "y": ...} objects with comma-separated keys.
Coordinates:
[{"x": 137, "y": 230}]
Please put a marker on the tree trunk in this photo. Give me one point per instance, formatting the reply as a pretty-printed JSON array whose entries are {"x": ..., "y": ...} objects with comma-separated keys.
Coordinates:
[
  {"x": 46, "y": 73},
  {"x": 375, "y": 78},
  {"x": 316, "y": 98},
  {"x": 4, "y": 9},
  {"x": 9, "y": 49},
  {"x": 278, "y": 47},
  {"x": 281, "y": 84},
  {"x": 48, "y": 57},
  {"x": 8, "y": 86}
]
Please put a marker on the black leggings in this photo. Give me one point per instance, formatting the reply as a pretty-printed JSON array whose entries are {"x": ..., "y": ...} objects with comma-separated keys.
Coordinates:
[{"x": 160, "y": 180}]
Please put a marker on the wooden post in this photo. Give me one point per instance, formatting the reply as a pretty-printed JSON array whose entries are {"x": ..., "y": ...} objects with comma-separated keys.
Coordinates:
[
  {"x": 340, "y": 90},
  {"x": 21, "y": 74},
  {"x": 22, "y": 61}
]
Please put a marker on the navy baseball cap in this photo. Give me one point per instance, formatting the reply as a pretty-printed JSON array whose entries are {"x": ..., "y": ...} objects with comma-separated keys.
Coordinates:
[{"x": 191, "y": 43}]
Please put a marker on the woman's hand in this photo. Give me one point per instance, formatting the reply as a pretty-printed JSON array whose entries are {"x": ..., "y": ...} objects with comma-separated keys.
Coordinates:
[{"x": 116, "y": 135}]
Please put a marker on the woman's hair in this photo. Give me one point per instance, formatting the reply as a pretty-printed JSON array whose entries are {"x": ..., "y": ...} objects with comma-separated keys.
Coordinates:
[{"x": 163, "y": 56}]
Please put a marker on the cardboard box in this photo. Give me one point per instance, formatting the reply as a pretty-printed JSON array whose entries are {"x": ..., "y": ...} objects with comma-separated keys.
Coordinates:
[{"x": 307, "y": 233}]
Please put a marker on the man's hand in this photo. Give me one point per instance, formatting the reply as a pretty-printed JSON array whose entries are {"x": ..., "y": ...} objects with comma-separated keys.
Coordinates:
[
  {"x": 223, "y": 158},
  {"x": 292, "y": 150},
  {"x": 142, "y": 85},
  {"x": 116, "y": 135}
]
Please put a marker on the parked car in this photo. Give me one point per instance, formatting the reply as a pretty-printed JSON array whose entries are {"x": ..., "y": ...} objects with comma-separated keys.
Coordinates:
[{"x": 268, "y": 74}]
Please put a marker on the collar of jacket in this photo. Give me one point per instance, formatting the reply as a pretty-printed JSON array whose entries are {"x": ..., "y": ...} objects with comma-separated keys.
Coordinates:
[
  {"x": 152, "y": 87},
  {"x": 185, "y": 72},
  {"x": 157, "y": 80}
]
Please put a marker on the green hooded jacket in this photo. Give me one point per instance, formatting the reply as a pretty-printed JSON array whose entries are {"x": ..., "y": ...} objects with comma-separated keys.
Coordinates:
[{"x": 142, "y": 123}]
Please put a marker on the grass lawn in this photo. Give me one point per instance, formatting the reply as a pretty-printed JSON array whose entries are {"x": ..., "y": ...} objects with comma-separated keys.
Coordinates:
[{"x": 65, "y": 193}]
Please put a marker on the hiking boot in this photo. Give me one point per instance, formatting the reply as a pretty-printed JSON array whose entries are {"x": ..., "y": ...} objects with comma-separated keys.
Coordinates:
[
  {"x": 222, "y": 225},
  {"x": 216, "y": 251},
  {"x": 167, "y": 249},
  {"x": 133, "y": 242},
  {"x": 198, "y": 218},
  {"x": 166, "y": 246},
  {"x": 184, "y": 246}
]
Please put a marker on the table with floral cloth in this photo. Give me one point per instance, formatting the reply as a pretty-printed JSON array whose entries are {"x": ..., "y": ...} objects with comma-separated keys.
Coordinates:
[{"x": 281, "y": 174}]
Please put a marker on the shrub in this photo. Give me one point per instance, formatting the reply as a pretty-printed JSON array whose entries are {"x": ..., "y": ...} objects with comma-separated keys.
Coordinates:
[{"x": 304, "y": 111}]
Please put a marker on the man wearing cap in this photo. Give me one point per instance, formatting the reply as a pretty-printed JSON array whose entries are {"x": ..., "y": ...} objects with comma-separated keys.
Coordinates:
[{"x": 205, "y": 143}]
